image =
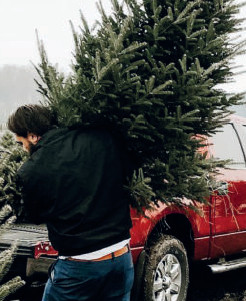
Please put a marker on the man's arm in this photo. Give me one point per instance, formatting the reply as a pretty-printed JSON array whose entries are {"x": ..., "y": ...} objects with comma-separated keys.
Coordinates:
[{"x": 33, "y": 193}]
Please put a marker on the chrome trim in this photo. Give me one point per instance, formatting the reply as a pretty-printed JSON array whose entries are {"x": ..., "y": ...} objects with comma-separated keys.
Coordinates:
[
  {"x": 227, "y": 266},
  {"x": 226, "y": 234}
]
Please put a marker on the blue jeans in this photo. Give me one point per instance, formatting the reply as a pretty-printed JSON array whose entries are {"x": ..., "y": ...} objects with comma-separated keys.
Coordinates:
[{"x": 107, "y": 280}]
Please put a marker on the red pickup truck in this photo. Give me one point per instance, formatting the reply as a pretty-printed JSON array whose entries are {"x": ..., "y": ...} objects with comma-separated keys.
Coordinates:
[{"x": 165, "y": 244}]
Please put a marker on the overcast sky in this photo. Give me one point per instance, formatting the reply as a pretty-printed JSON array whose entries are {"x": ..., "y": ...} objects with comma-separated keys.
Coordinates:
[{"x": 20, "y": 18}]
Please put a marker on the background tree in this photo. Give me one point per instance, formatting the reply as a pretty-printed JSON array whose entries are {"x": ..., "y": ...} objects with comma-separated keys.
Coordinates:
[
  {"x": 10, "y": 159},
  {"x": 7, "y": 257},
  {"x": 149, "y": 73}
]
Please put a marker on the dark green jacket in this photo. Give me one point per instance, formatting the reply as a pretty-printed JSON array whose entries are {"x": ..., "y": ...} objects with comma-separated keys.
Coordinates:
[{"x": 73, "y": 182}]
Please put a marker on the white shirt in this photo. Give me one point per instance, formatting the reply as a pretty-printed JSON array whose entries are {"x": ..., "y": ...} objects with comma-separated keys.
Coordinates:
[{"x": 99, "y": 253}]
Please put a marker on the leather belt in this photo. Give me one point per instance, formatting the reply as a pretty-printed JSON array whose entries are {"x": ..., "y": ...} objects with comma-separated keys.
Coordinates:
[{"x": 117, "y": 253}]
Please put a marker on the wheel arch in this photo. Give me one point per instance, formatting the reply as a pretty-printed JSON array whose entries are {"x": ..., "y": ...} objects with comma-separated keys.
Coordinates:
[{"x": 177, "y": 225}]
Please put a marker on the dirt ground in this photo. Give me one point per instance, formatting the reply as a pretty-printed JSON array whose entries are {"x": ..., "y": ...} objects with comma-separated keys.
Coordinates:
[{"x": 229, "y": 286}]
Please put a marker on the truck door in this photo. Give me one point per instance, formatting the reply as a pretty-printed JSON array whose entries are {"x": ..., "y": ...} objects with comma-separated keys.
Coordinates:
[{"x": 229, "y": 200}]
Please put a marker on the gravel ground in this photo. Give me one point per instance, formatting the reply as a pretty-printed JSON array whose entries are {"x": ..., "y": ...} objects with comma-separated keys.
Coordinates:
[{"x": 229, "y": 286}]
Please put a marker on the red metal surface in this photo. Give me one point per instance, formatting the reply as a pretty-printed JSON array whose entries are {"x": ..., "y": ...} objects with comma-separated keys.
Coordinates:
[
  {"x": 229, "y": 215},
  {"x": 200, "y": 224},
  {"x": 202, "y": 247},
  {"x": 44, "y": 248}
]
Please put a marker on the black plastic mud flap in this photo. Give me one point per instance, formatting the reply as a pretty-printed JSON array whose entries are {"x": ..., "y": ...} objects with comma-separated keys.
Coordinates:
[{"x": 138, "y": 277}]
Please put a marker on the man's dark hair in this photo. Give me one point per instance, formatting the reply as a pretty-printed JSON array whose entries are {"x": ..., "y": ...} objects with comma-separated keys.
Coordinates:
[{"x": 36, "y": 119}]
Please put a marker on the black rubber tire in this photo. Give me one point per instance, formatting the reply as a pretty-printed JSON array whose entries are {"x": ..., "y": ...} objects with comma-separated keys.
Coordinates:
[{"x": 166, "y": 244}]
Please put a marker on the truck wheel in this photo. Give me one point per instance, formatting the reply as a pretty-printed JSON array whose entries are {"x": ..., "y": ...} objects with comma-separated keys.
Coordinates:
[{"x": 166, "y": 274}]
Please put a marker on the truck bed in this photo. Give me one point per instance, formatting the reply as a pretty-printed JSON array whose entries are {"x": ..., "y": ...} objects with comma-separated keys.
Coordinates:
[{"x": 26, "y": 236}]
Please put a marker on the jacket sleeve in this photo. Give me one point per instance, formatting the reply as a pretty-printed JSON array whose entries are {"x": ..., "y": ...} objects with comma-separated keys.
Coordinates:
[{"x": 33, "y": 192}]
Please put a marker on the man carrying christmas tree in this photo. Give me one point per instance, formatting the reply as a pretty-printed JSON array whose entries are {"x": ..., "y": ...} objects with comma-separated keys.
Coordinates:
[{"x": 73, "y": 182}]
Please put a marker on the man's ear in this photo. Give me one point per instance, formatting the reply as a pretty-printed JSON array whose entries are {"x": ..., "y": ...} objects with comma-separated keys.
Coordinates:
[{"x": 33, "y": 138}]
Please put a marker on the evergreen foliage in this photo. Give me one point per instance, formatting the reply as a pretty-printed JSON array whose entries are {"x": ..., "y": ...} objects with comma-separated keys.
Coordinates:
[
  {"x": 10, "y": 158},
  {"x": 149, "y": 74},
  {"x": 7, "y": 257}
]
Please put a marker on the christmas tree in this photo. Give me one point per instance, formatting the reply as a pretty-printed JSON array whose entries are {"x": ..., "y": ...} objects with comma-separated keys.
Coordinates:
[
  {"x": 7, "y": 257},
  {"x": 10, "y": 159},
  {"x": 149, "y": 73}
]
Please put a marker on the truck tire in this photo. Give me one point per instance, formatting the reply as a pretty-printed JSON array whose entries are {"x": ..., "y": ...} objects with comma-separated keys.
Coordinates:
[{"x": 166, "y": 276}]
